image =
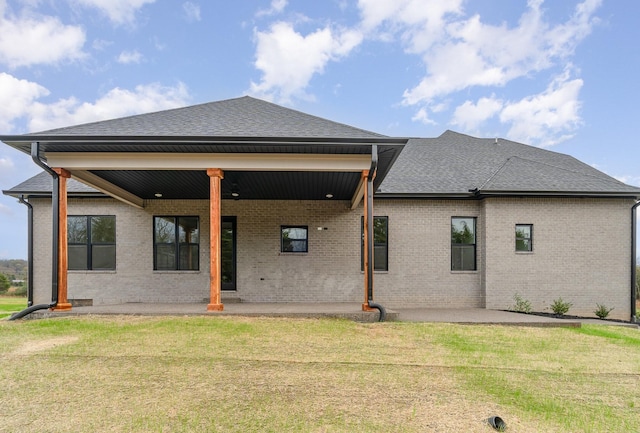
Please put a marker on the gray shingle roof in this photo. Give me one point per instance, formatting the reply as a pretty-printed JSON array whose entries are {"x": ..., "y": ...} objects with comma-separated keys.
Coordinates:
[
  {"x": 42, "y": 184},
  {"x": 240, "y": 117},
  {"x": 454, "y": 164}
]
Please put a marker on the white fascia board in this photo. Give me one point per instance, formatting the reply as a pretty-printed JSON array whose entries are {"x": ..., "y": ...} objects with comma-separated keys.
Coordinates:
[{"x": 202, "y": 161}]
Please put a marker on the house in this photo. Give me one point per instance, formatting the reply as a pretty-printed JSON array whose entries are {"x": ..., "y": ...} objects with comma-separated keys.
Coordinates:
[{"x": 246, "y": 200}]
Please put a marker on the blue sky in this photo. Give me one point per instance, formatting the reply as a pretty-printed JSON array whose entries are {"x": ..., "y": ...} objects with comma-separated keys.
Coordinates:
[{"x": 556, "y": 74}]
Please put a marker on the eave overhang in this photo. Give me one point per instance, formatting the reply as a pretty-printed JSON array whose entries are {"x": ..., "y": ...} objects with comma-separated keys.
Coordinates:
[{"x": 140, "y": 165}]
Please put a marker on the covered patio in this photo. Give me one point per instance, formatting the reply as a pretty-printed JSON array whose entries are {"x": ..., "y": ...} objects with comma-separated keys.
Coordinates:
[{"x": 241, "y": 150}]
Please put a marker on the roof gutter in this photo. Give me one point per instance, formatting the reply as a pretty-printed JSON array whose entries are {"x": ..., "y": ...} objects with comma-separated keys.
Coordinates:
[
  {"x": 633, "y": 261},
  {"x": 55, "y": 204}
]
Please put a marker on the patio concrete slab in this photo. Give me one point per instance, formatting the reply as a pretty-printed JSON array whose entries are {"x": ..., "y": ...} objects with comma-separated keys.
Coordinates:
[{"x": 350, "y": 311}]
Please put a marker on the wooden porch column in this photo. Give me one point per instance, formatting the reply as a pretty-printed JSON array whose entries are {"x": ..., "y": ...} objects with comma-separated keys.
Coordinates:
[
  {"x": 368, "y": 239},
  {"x": 63, "y": 303},
  {"x": 215, "y": 249}
]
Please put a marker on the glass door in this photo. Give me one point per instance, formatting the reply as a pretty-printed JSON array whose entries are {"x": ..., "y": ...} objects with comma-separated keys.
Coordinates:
[{"x": 228, "y": 246}]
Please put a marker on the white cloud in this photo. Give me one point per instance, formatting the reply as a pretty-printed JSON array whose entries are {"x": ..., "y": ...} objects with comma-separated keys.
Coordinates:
[
  {"x": 420, "y": 24},
  {"x": 423, "y": 116},
  {"x": 277, "y": 6},
  {"x": 469, "y": 115},
  {"x": 5, "y": 163},
  {"x": 288, "y": 60},
  {"x": 5, "y": 210},
  {"x": 116, "y": 103},
  {"x": 127, "y": 57},
  {"x": 629, "y": 180},
  {"x": 26, "y": 41},
  {"x": 16, "y": 98},
  {"x": 546, "y": 118},
  {"x": 118, "y": 11},
  {"x": 472, "y": 53},
  {"x": 192, "y": 11}
]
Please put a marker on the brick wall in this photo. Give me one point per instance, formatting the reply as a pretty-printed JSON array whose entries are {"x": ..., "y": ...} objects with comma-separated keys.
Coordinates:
[
  {"x": 420, "y": 256},
  {"x": 581, "y": 252}
]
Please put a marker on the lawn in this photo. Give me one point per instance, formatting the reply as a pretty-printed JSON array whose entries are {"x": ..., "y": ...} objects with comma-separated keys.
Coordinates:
[
  {"x": 223, "y": 374},
  {"x": 11, "y": 304}
]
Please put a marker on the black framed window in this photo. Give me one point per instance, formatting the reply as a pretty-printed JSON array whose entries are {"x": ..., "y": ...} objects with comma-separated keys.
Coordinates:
[
  {"x": 91, "y": 242},
  {"x": 380, "y": 243},
  {"x": 294, "y": 239},
  {"x": 524, "y": 237},
  {"x": 176, "y": 243},
  {"x": 463, "y": 244}
]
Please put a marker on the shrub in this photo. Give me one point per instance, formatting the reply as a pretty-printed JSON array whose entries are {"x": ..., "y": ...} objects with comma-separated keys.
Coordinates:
[
  {"x": 20, "y": 290},
  {"x": 560, "y": 307},
  {"x": 602, "y": 311},
  {"x": 521, "y": 305},
  {"x": 4, "y": 284}
]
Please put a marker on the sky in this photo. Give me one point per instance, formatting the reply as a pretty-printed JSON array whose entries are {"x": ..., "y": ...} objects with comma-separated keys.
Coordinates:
[{"x": 561, "y": 75}]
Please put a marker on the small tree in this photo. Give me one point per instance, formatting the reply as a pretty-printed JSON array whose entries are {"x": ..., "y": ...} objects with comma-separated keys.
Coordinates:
[{"x": 5, "y": 283}]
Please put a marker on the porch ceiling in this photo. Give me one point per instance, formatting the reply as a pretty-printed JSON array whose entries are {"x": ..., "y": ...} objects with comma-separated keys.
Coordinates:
[
  {"x": 191, "y": 182},
  {"x": 269, "y": 185}
]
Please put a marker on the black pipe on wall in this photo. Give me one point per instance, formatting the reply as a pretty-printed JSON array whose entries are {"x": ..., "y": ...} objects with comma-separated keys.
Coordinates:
[
  {"x": 633, "y": 261},
  {"x": 29, "y": 250},
  {"x": 55, "y": 206}
]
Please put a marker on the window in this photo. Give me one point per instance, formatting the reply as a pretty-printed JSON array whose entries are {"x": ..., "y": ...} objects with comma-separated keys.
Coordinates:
[
  {"x": 463, "y": 244},
  {"x": 524, "y": 237},
  {"x": 176, "y": 243},
  {"x": 380, "y": 244},
  {"x": 294, "y": 239},
  {"x": 91, "y": 242}
]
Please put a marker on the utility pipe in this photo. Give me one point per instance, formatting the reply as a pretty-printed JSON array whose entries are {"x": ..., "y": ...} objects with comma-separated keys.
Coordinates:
[
  {"x": 371, "y": 176},
  {"x": 55, "y": 205},
  {"x": 29, "y": 249},
  {"x": 633, "y": 261}
]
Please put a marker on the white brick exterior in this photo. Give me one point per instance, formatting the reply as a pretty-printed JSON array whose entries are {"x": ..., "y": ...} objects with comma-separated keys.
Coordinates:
[{"x": 582, "y": 250}]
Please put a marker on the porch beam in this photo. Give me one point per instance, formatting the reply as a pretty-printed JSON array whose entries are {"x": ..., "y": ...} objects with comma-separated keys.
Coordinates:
[
  {"x": 108, "y": 188},
  {"x": 357, "y": 196},
  {"x": 203, "y": 161},
  {"x": 215, "y": 246},
  {"x": 63, "y": 303}
]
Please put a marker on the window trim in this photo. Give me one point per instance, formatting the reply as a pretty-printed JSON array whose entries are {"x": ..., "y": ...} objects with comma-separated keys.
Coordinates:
[
  {"x": 89, "y": 244},
  {"x": 386, "y": 244},
  {"x": 530, "y": 238},
  {"x": 176, "y": 243},
  {"x": 474, "y": 244},
  {"x": 306, "y": 239}
]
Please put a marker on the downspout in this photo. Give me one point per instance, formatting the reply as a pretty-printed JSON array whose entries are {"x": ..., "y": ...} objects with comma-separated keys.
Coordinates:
[
  {"x": 29, "y": 249},
  {"x": 634, "y": 313},
  {"x": 55, "y": 204},
  {"x": 369, "y": 198}
]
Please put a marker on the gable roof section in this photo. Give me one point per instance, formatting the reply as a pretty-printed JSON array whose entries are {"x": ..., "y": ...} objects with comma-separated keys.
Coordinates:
[
  {"x": 41, "y": 185},
  {"x": 243, "y": 125},
  {"x": 239, "y": 117},
  {"x": 239, "y": 120},
  {"x": 458, "y": 165}
]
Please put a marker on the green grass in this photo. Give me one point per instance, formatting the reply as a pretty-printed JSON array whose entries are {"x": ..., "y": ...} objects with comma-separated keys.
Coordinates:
[
  {"x": 11, "y": 304},
  {"x": 221, "y": 374}
]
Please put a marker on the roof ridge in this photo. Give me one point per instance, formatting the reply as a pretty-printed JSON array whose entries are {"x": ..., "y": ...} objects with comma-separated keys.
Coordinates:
[
  {"x": 314, "y": 116},
  {"x": 490, "y": 178}
]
